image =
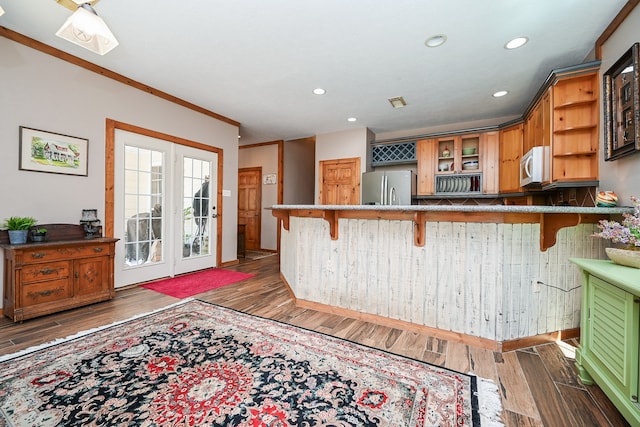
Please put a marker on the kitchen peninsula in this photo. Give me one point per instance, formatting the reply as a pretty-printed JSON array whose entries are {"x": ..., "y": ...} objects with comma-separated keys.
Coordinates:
[{"x": 493, "y": 276}]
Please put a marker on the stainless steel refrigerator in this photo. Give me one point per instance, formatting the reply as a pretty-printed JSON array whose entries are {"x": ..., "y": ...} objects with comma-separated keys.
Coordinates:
[{"x": 388, "y": 187}]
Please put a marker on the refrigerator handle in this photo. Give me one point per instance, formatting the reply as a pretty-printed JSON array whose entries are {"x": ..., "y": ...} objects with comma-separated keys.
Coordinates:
[{"x": 385, "y": 200}]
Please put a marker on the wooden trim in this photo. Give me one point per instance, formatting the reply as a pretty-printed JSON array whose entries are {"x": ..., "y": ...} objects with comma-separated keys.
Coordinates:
[
  {"x": 400, "y": 324},
  {"x": 289, "y": 289},
  {"x": 332, "y": 217},
  {"x": 518, "y": 343},
  {"x": 503, "y": 346},
  {"x": 283, "y": 217},
  {"x": 111, "y": 127},
  {"x": 229, "y": 263},
  {"x": 420, "y": 221},
  {"x": 613, "y": 26},
  {"x": 280, "y": 188},
  {"x": 259, "y": 144},
  {"x": 550, "y": 223},
  {"x": 49, "y": 50}
]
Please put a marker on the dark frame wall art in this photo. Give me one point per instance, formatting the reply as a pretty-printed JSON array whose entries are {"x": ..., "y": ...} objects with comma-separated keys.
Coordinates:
[
  {"x": 42, "y": 151},
  {"x": 622, "y": 106}
]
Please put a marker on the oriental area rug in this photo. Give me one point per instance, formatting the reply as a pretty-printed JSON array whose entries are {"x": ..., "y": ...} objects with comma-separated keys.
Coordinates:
[
  {"x": 198, "y": 364},
  {"x": 191, "y": 284}
]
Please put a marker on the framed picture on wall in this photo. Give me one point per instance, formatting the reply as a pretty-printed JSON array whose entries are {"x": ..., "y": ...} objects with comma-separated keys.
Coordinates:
[
  {"x": 42, "y": 151},
  {"x": 622, "y": 106}
]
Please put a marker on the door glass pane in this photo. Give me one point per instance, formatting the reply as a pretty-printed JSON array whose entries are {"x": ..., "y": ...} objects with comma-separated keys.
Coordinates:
[
  {"x": 143, "y": 203},
  {"x": 195, "y": 207}
]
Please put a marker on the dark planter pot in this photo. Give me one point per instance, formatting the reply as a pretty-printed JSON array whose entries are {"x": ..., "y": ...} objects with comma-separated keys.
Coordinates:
[
  {"x": 18, "y": 237},
  {"x": 38, "y": 237}
]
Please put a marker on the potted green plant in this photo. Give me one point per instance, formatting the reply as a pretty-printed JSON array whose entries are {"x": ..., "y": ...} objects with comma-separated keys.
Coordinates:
[
  {"x": 18, "y": 227},
  {"x": 38, "y": 234}
]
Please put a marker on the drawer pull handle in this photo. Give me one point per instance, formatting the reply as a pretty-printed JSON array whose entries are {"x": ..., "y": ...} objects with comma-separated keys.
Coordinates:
[
  {"x": 38, "y": 255},
  {"x": 48, "y": 270},
  {"x": 98, "y": 249},
  {"x": 45, "y": 293}
]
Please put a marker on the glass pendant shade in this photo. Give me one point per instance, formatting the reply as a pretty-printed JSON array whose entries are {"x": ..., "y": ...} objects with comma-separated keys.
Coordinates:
[{"x": 85, "y": 28}]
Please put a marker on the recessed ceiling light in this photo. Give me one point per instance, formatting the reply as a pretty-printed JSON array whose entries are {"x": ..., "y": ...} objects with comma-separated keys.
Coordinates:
[
  {"x": 516, "y": 43},
  {"x": 397, "y": 102},
  {"x": 319, "y": 91},
  {"x": 435, "y": 41},
  {"x": 351, "y": 119},
  {"x": 500, "y": 93}
]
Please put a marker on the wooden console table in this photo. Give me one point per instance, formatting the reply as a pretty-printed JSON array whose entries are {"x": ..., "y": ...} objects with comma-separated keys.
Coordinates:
[{"x": 44, "y": 278}]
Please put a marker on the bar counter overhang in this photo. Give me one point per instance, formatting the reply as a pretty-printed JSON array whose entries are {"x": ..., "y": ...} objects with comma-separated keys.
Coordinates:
[{"x": 492, "y": 276}]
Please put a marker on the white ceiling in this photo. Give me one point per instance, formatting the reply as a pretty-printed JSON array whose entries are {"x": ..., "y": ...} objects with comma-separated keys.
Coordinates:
[{"x": 257, "y": 61}]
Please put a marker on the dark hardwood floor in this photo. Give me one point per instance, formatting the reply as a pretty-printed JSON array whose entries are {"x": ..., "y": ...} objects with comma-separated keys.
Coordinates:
[{"x": 538, "y": 385}]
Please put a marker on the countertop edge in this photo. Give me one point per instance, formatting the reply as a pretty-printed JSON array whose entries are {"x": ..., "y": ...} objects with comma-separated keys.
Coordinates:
[{"x": 464, "y": 208}]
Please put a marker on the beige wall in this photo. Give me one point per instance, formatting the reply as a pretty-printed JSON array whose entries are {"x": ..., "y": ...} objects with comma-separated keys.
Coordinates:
[
  {"x": 299, "y": 160},
  {"x": 265, "y": 156},
  {"x": 622, "y": 175},
  {"x": 43, "y": 92}
]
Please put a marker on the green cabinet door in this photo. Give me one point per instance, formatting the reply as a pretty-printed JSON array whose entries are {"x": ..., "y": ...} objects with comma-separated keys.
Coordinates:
[{"x": 611, "y": 336}]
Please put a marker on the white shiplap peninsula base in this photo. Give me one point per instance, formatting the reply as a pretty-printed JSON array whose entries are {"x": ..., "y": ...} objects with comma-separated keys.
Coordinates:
[{"x": 493, "y": 276}]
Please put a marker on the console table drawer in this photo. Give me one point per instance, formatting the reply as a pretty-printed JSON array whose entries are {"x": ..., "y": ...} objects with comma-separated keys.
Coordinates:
[
  {"x": 39, "y": 293},
  {"x": 64, "y": 252},
  {"x": 47, "y": 271}
]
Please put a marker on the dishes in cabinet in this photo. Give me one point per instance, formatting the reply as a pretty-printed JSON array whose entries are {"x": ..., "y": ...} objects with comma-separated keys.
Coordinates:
[
  {"x": 471, "y": 164},
  {"x": 468, "y": 151}
]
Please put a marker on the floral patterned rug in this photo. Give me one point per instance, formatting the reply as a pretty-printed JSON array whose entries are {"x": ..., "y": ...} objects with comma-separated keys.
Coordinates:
[{"x": 198, "y": 364}]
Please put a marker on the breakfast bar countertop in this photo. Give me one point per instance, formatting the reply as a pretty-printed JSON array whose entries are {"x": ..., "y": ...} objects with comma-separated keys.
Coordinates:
[{"x": 467, "y": 208}]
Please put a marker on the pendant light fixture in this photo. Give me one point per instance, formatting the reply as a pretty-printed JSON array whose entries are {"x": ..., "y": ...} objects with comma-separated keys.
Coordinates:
[{"x": 85, "y": 28}]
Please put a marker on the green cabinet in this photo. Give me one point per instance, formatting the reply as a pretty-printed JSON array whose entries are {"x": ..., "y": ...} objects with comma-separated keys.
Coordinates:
[{"x": 610, "y": 332}]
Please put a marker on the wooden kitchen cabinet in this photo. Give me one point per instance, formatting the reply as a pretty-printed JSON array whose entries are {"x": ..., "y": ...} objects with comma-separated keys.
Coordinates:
[
  {"x": 44, "y": 278},
  {"x": 511, "y": 150},
  {"x": 574, "y": 148},
  {"x": 426, "y": 158},
  {"x": 610, "y": 333},
  {"x": 564, "y": 117},
  {"x": 464, "y": 164},
  {"x": 537, "y": 124}
]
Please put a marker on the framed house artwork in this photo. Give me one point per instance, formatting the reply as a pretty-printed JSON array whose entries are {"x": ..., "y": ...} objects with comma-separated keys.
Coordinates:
[
  {"x": 43, "y": 151},
  {"x": 622, "y": 106}
]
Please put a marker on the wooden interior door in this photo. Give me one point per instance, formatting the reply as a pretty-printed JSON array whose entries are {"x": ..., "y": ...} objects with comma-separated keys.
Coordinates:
[
  {"x": 250, "y": 205},
  {"x": 340, "y": 182}
]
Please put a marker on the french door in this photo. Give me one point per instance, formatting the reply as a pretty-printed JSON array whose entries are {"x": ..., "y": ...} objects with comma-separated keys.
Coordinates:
[{"x": 164, "y": 208}]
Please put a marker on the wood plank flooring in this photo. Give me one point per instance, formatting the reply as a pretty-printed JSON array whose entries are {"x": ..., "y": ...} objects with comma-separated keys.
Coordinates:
[{"x": 539, "y": 385}]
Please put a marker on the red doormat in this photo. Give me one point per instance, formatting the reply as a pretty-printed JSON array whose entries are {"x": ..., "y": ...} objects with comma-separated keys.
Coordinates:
[{"x": 196, "y": 283}]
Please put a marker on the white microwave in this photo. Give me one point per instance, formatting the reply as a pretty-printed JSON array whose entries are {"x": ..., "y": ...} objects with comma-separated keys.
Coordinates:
[{"x": 534, "y": 167}]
